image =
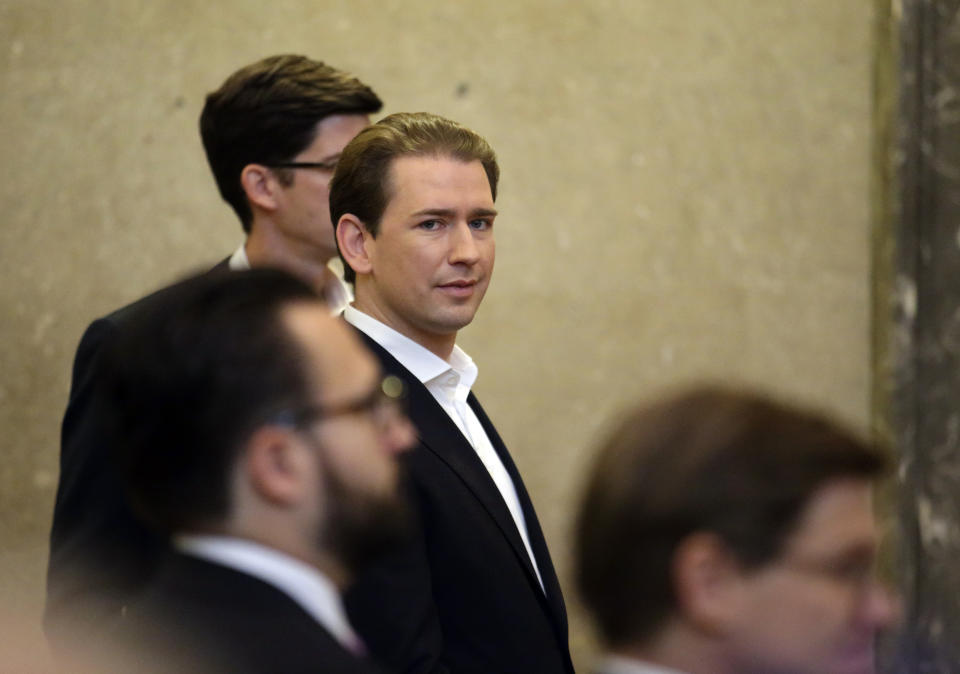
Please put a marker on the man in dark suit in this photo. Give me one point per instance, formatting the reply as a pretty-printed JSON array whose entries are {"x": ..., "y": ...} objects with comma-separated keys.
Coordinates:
[
  {"x": 273, "y": 133},
  {"x": 413, "y": 198},
  {"x": 257, "y": 432},
  {"x": 725, "y": 533}
]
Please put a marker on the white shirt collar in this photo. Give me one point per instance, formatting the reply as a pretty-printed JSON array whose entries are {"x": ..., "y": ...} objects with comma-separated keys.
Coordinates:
[
  {"x": 239, "y": 260},
  {"x": 422, "y": 363},
  {"x": 619, "y": 664},
  {"x": 303, "y": 583},
  {"x": 338, "y": 296},
  {"x": 449, "y": 382}
]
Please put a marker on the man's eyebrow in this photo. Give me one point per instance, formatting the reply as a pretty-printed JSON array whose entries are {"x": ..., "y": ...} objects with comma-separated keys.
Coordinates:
[
  {"x": 449, "y": 212},
  {"x": 487, "y": 212},
  {"x": 861, "y": 549}
]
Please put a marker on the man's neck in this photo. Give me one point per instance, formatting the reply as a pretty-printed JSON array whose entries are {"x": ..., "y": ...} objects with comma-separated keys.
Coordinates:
[
  {"x": 440, "y": 345},
  {"x": 677, "y": 648},
  {"x": 265, "y": 247}
]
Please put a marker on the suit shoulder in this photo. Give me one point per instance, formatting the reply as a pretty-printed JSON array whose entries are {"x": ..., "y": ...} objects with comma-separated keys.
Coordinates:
[
  {"x": 118, "y": 317},
  {"x": 236, "y": 621}
]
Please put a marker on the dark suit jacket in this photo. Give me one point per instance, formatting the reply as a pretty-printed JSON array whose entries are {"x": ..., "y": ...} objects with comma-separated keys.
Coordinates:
[
  {"x": 463, "y": 597},
  {"x": 100, "y": 554},
  {"x": 200, "y": 616}
]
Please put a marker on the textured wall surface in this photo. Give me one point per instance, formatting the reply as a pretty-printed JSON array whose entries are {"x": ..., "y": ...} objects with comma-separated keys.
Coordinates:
[
  {"x": 924, "y": 340},
  {"x": 684, "y": 195}
]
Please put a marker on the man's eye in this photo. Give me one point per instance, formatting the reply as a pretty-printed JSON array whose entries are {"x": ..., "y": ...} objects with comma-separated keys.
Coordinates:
[
  {"x": 481, "y": 224},
  {"x": 854, "y": 570},
  {"x": 430, "y": 225}
]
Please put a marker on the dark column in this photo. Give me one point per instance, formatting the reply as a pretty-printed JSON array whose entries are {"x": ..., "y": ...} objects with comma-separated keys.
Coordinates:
[{"x": 917, "y": 319}]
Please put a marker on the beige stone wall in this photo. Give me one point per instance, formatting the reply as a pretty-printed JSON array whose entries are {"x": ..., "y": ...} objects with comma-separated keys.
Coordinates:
[{"x": 684, "y": 195}]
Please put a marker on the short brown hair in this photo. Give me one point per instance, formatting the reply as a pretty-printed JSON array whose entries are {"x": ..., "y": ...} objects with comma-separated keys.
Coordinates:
[
  {"x": 267, "y": 113},
  {"x": 360, "y": 184},
  {"x": 735, "y": 464}
]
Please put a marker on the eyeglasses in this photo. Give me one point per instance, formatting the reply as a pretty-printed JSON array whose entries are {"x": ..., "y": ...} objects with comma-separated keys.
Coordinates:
[
  {"x": 856, "y": 573},
  {"x": 385, "y": 404},
  {"x": 328, "y": 165}
]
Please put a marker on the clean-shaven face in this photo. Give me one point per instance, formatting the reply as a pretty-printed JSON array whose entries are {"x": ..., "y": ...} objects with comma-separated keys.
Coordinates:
[
  {"x": 817, "y": 608},
  {"x": 433, "y": 255},
  {"x": 304, "y": 206}
]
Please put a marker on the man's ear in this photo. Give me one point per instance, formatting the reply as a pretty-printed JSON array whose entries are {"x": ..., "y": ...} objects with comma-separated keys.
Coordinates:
[
  {"x": 276, "y": 465},
  {"x": 707, "y": 579},
  {"x": 353, "y": 239},
  {"x": 260, "y": 185}
]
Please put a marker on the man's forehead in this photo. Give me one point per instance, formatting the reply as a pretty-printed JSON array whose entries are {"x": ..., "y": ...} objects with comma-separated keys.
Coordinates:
[
  {"x": 332, "y": 133},
  {"x": 303, "y": 316},
  {"x": 337, "y": 356},
  {"x": 838, "y": 516},
  {"x": 423, "y": 169},
  {"x": 317, "y": 332}
]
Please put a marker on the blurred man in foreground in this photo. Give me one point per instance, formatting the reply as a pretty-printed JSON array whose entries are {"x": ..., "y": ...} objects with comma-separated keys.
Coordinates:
[
  {"x": 273, "y": 133},
  {"x": 723, "y": 533},
  {"x": 257, "y": 432}
]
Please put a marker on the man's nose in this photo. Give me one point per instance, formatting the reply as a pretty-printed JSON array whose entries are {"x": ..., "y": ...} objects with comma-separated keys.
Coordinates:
[
  {"x": 463, "y": 245},
  {"x": 883, "y": 608}
]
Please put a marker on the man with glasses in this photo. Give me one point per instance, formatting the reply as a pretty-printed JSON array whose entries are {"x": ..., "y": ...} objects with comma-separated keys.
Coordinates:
[
  {"x": 257, "y": 432},
  {"x": 272, "y": 134},
  {"x": 724, "y": 533}
]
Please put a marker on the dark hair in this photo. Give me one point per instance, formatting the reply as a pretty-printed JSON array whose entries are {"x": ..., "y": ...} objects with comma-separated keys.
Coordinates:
[
  {"x": 360, "y": 184},
  {"x": 267, "y": 113},
  {"x": 735, "y": 464},
  {"x": 191, "y": 373}
]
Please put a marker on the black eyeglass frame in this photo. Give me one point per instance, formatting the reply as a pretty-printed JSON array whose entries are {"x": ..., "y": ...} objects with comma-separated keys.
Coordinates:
[
  {"x": 384, "y": 400},
  {"x": 330, "y": 165}
]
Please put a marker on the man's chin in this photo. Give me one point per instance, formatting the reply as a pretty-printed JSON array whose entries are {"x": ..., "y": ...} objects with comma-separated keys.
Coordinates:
[
  {"x": 856, "y": 661},
  {"x": 374, "y": 530},
  {"x": 454, "y": 319}
]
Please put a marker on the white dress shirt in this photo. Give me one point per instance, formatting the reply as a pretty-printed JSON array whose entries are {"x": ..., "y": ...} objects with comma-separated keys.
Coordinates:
[
  {"x": 618, "y": 664},
  {"x": 338, "y": 295},
  {"x": 449, "y": 383},
  {"x": 303, "y": 583}
]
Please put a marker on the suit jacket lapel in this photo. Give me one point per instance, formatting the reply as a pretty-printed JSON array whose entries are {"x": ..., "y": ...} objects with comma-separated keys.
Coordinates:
[
  {"x": 222, "y": 266},
  {"x": 440, "y": 435},
  {"x": 538, "y": 543}
]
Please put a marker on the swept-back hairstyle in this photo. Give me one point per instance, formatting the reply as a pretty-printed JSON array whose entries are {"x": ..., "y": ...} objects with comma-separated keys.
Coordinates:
[
  {"x": 735, "y": 464},
  {"x": 361, "y": 185},
  {"x": 267, "y": 113},
  {"x": 196, "y": 368}
]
